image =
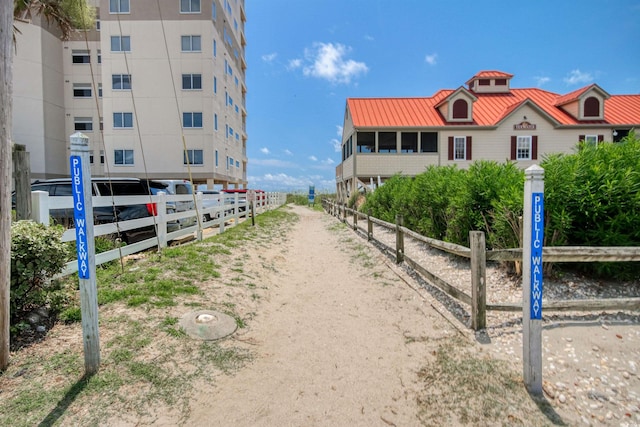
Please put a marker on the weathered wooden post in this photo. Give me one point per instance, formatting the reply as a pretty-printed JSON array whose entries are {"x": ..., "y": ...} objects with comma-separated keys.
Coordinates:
[
  {"x": 253, "y": 212},
  {"x": 399, "y": 239},
  {"x": 85, "y": 245},
  {"x": 533, "y": 226},
  {"x": 355, "y": 219},
  {"x": 344, "y": 213},
  {"x": 478, "y": 280},
  {"x": 369, "y": 227},
  {"x": 22, "y": 177}
]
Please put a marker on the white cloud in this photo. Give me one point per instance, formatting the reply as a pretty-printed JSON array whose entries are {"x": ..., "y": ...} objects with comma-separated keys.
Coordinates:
[
  {"x": 288, "y": 153},
  {"x": 339, "y": 130},
  {"x": 578, "y": 77},
  {"x": 541, "y": 81},
  {"x": 269, "y": 57},
  {"x": 328, "y": 61},
  {"x": 368, "y": 37},
  {"x": 294, "y": 64},
  {"x": 313, "y": 158},
  {"x": 431, "y": 59},
  {"x": 273, "y": 163},
  {"x": 337, "y": 145},
  {"x": 264, "y": 150},
  {"x": 329, "y": 161}
]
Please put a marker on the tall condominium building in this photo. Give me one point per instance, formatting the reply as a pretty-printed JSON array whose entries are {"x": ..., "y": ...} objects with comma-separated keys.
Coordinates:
[{"x": 157, "y": 86}]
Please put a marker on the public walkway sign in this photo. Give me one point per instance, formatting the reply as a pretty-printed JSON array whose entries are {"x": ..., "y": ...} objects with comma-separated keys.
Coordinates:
[
  {"x": 79, "y": 216},
  {"x": 533, "y": 238}
]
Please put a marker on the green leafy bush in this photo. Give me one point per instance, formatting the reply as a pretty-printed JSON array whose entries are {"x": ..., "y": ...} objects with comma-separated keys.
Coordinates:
[{"x": 37, "y": 254}]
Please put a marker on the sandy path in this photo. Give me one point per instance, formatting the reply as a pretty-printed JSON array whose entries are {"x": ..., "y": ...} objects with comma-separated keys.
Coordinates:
[{"x": 335, "y": 343}]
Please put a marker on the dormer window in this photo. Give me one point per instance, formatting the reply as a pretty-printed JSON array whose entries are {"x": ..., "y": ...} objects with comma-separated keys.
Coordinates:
[
  {"x": 484, "y": 82},
  {"x": 501, "y": 82},
  {"x": 592, "y": 107},
  {"x": 460, "y": 109}
]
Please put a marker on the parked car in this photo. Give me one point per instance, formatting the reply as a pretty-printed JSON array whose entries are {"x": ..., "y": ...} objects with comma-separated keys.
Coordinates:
[
  {"x": 175, "y": 186},
  {"x": 242, "y": 197},
  {"x": 211, "y": 199},
  {"x": 104, "y": 214}
]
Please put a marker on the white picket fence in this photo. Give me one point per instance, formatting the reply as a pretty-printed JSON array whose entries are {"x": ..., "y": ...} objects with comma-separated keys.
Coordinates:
[{"x": 228, "y": 212}]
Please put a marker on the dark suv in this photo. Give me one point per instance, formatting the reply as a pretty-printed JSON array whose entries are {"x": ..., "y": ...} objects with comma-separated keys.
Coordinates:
[{"x": 105, "y": 214}]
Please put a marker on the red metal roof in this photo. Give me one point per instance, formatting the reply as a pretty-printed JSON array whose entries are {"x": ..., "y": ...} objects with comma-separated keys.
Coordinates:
[
  {"x": 488, "y": 110},
  {"x": 490, "y": 74}
]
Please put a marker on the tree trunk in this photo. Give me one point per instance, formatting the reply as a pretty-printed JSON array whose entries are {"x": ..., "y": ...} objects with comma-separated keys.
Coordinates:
[{"x": 6, "y": 83}]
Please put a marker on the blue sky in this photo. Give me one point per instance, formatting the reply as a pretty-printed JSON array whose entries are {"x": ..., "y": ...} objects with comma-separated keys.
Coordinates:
[{"x": 306, "y": 57}]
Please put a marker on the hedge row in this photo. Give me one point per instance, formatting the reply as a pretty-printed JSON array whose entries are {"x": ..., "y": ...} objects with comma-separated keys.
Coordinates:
[{"x": 592, "y": 198}]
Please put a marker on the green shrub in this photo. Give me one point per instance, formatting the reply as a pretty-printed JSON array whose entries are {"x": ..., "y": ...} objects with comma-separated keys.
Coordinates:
[{"x": 37, "y": 254}]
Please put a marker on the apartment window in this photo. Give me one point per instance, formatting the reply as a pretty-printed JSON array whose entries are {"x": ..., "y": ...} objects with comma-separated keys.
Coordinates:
[
  {"x": 99, "y": 90},
  {"x": 215, "y": 48},
  {"x": 99, "y": 56},
  {"x": 97, "y": 25},
  {"x": 191, "y": 81},
  {"x": 191, "y": 44},
  {"x": 119, "y": 6},
  {"x": 409, "y": 142},
  {"x": 120, "y": 43},
  {"x": 227, "y": 162},
  {"x": 387, "y": 142},
  {"x": 91, "y": 157},
  {"x": 192, "y": 120},
  {"x": 216, "y": 158},
  {"x": 193, "y": 157},
  {"x": 215, "y": 121},
  {"x": 123, "y": 120},
  {"x": 428, "y": 142},
  {"x": 214, "y": 12},
  {"x": 80, "y": 56},
  {"x": 101, "y": 125},
  {"x": 524, "y": 147},
  {"x": 121, "y": 81},
  {"x": 230, "y": 131},
  {"x": 189, "y": 6},
  {"x": 102, "y": 157},
  {"x": 82, "y": 90},
  {"x": 123, "y": 157},
  {"x": 238, "y": 164},
  {"x": 83, "y": 123},
  {"x": 215, "y": 84},
  {"x": 366, "y": 142},
  {"x": 231, "y": 161}
]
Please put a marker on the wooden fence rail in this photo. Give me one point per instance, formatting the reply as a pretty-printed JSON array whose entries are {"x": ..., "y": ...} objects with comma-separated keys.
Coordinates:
[{"x": 478, "y": 256}]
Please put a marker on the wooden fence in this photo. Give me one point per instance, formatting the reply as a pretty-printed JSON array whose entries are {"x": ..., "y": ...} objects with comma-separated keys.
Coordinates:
[
  {"x": 228, "y": 212},
  {"x": 478, "y": 257}
]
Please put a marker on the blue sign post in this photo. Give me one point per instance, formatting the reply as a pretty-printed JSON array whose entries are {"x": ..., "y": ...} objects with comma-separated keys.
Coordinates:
[
  {"x": 312, "y": 195},
  {"x": 79, "y": 216},
  {"x": 85, "y": 247},
  {"x": 537, "y": 237},
  {"x": 533, "y": 238}
]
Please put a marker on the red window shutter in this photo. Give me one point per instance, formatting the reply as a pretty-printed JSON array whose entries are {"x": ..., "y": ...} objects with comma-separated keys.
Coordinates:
[
  {"x": 450, "y": 148},
  {"x": 514, "y": 146},
  {"x": 534, "y": 147},
  {"x": 581, "y": 138},
  {"x": 600, "y": 138},
  {"x": 468, "y": 148}
]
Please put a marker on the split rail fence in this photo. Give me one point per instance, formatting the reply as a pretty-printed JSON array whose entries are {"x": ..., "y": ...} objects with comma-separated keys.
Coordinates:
[{"x": 478, "y": 256}]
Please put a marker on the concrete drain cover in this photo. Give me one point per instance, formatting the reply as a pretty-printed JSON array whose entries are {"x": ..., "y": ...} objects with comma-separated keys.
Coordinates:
[{"x": 208, "y": 325}]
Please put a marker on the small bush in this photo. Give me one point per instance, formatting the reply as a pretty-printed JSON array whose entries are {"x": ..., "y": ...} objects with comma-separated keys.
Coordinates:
[{"x": 37, "y": 254}]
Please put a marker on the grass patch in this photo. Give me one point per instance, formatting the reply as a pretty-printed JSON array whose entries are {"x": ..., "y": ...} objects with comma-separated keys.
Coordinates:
[{"x": 461, "y": 387}]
